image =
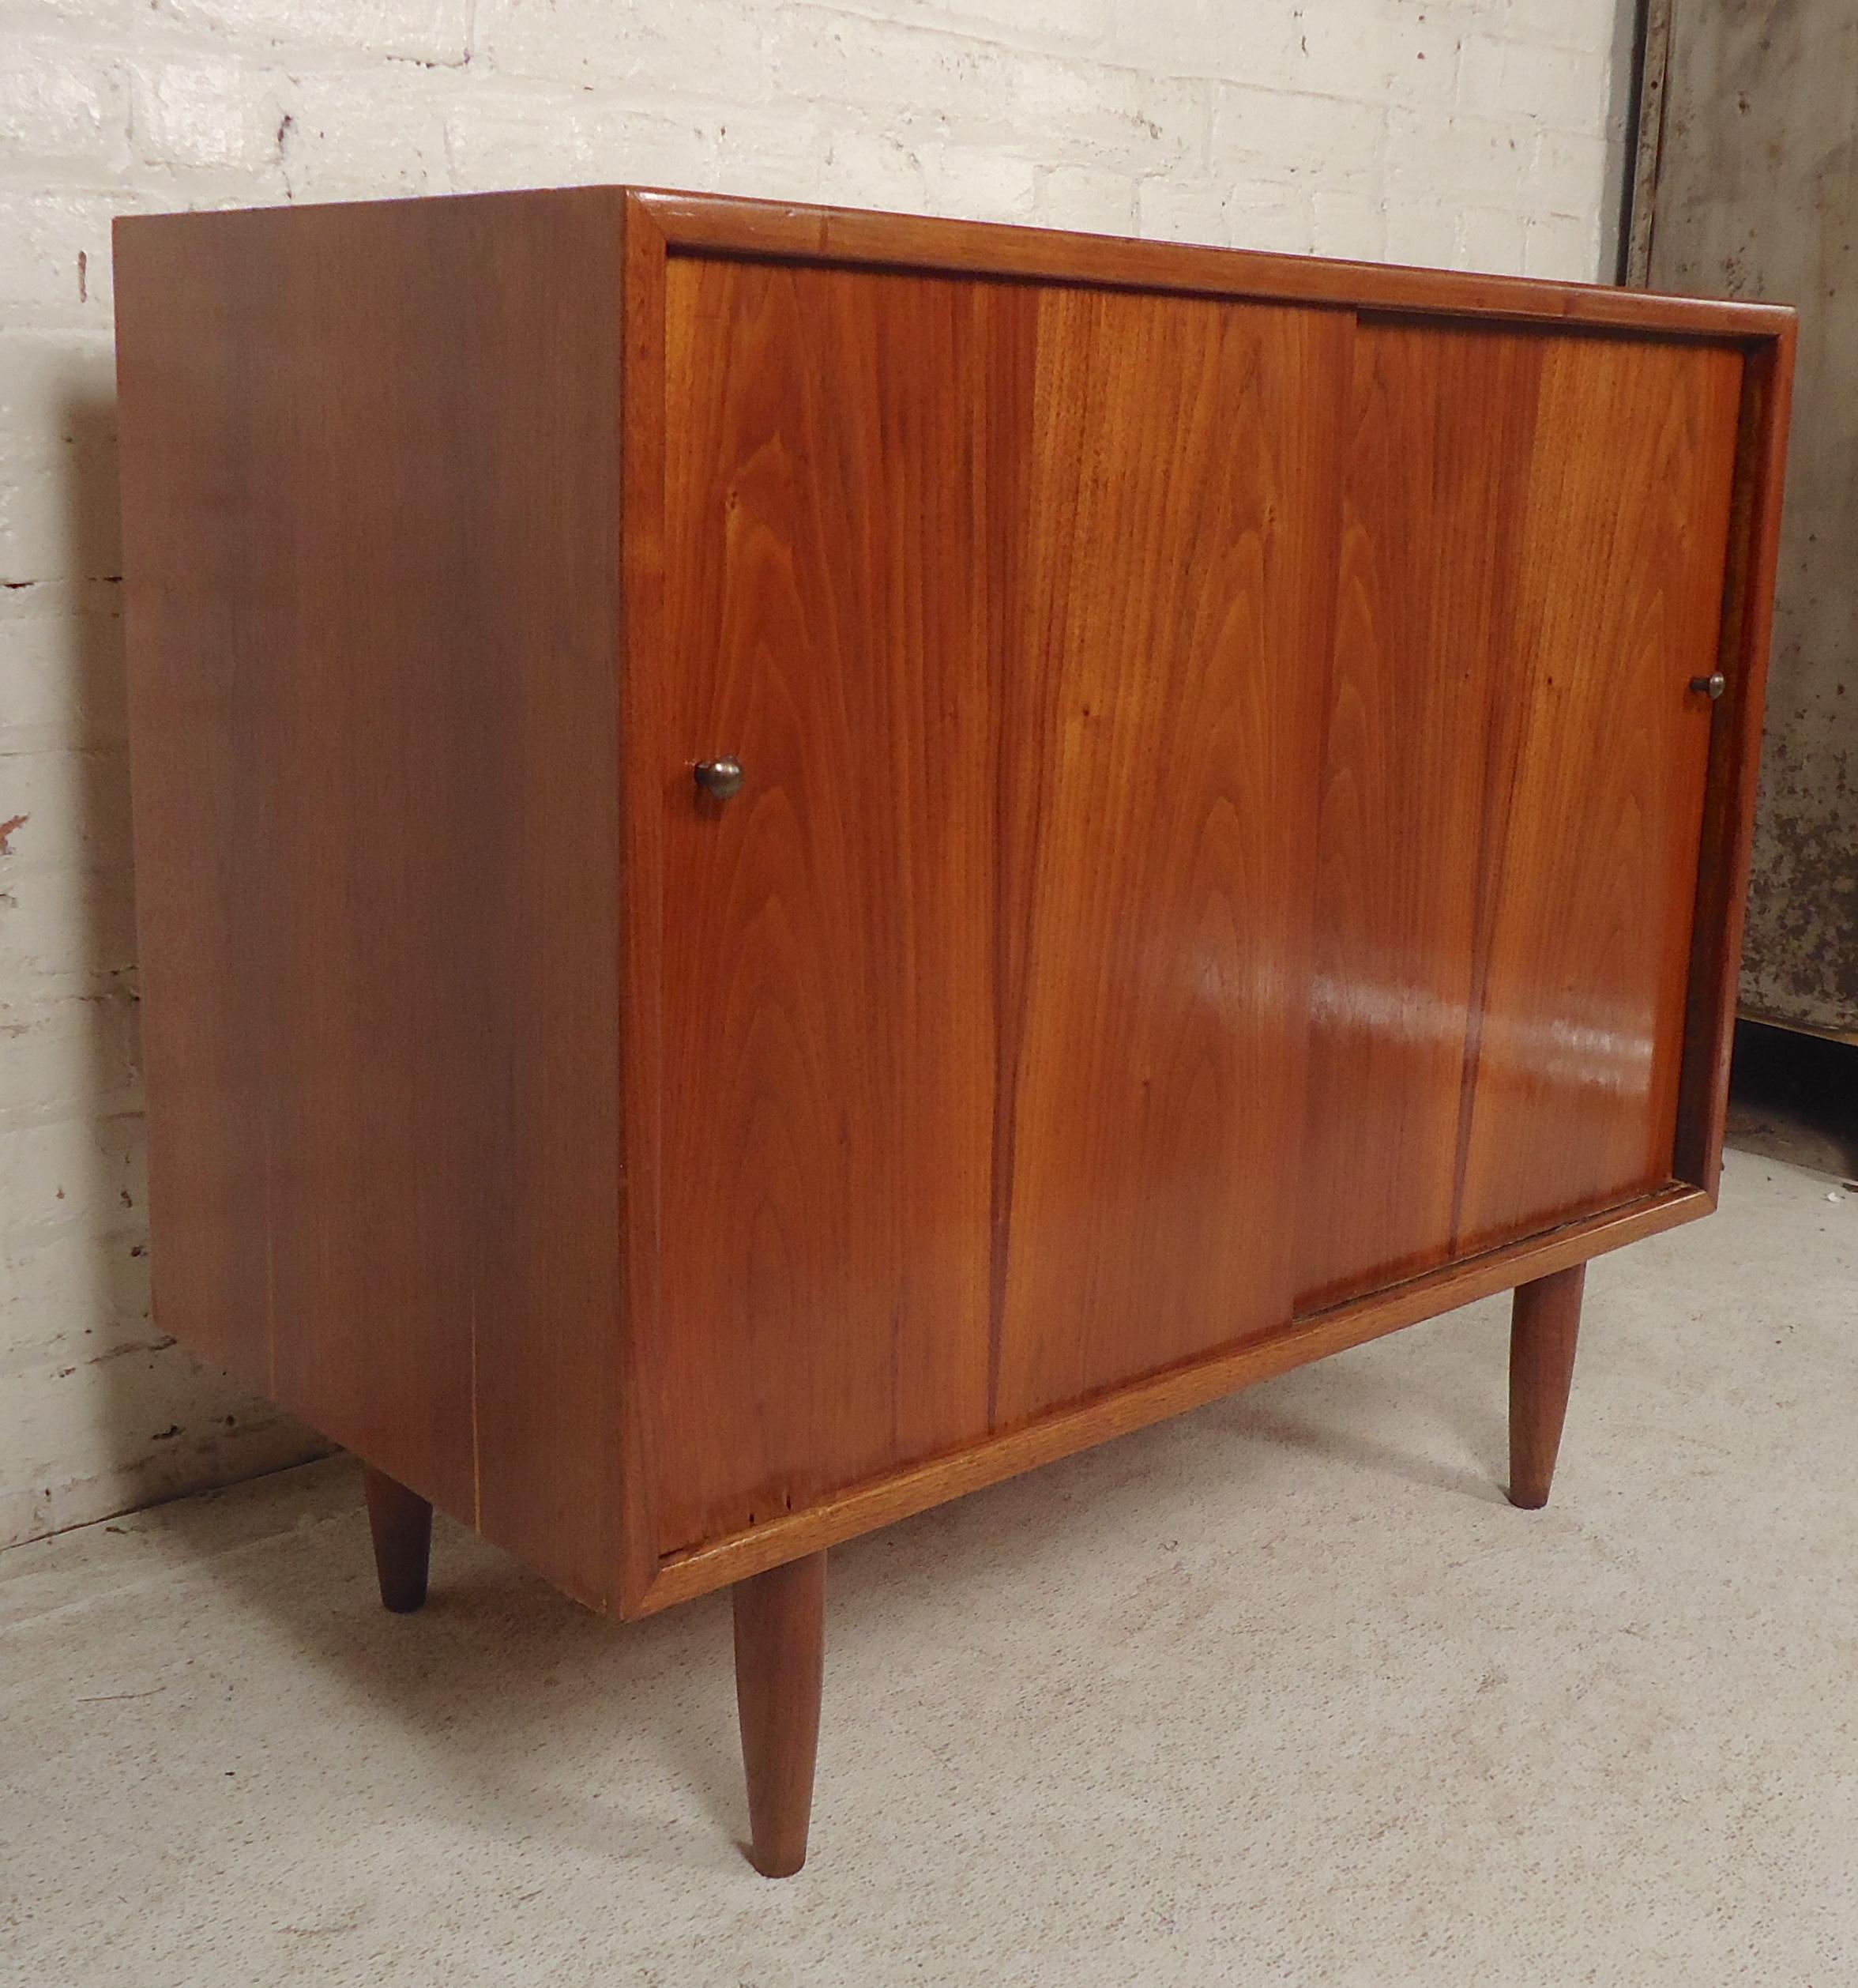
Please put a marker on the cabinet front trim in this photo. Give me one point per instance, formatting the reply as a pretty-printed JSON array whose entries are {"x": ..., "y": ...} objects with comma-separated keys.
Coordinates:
[
  {"x": 722, "y": 224},
  {"x": 662, "y": 227}
]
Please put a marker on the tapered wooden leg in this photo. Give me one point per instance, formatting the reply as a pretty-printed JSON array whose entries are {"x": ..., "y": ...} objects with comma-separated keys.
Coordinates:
[
  {"x": 401, "y": 1521},
  {"x": 1544, "y": 1325},
  {"x": 780, "y": 1659}
]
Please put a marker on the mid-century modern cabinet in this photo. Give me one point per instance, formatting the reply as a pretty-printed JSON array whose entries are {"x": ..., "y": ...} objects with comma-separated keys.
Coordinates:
[{"x": 790, "y": 860}]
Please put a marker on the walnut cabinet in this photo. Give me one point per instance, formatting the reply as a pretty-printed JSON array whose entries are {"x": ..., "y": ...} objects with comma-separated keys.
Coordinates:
[{"x": 789, "y": 861}]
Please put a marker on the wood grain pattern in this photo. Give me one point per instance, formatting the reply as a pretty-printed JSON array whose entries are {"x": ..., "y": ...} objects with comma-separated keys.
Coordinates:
[
  {"x": 1442, "y": 423},
  {"x": 779, "y": 1668},
  {"x": 828, "y": 942},
  {"x": 1545, "y": 1325},
  {"x": 1590, "y": 880},
  {"x": 1513, "y": 784},
  {"x": 1159, "y": 784},
  {"x": 372, "y": 554}
]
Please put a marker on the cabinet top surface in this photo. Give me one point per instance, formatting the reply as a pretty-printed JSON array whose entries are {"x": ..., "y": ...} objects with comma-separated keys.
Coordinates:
[{"x": 714, "y": 224}]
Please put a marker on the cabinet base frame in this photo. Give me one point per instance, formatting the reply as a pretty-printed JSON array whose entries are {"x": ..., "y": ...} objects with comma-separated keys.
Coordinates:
[{"x": 681, "y": 1576}]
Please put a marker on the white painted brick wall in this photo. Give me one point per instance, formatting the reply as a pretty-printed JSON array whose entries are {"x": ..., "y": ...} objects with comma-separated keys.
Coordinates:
[{"x": 1471, "y": 133}]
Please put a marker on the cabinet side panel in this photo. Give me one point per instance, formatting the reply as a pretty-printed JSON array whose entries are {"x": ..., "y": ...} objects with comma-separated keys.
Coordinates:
[
  {"x": 1160, "y": 754},
  {"x": 1438, "y": 466},
  {"x": 370, "y": 489},
  {"x": 834, "y": 519},
  {"x": 1590, "y": 890}
]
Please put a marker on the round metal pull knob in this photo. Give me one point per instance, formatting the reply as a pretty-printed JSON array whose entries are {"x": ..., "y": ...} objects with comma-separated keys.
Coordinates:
[
  {"x": 722, "y": 778},
  {"x": 1712, "y": 687}
]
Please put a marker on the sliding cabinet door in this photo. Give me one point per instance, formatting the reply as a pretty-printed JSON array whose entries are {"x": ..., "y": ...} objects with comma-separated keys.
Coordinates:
[
  {"x": 1533, "y": 543},
  {"x": 1596, "y": 814},
  {"x": 833, "y": 562},
  {"x": 1162, "y": 718}
]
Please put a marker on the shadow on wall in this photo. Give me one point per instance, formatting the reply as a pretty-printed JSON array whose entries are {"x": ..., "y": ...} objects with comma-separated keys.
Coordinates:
[{"x": 117, "y": 1416}]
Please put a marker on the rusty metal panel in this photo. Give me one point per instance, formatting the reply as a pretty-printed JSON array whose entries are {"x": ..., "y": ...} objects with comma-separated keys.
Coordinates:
[{"x": 1754, "y": 193}]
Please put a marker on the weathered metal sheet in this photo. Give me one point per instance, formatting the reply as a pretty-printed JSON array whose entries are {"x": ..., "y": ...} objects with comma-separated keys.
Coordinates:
[{"x": 1756, "y": 195}]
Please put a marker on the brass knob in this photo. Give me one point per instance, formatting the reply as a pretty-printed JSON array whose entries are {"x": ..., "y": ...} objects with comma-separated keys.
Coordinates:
[
  {"x": 720, "y": 778},
  {"x": 1712, "y": 687}
]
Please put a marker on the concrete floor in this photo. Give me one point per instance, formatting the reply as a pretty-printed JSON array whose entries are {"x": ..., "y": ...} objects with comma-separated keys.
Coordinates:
[{"x": 1282, "y": 1693}]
